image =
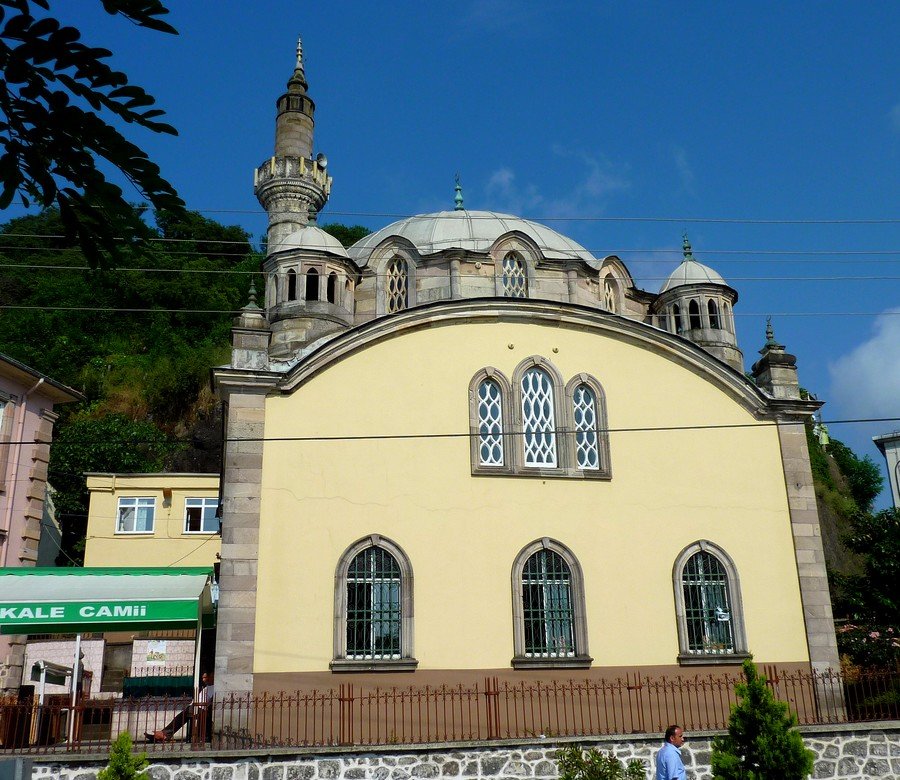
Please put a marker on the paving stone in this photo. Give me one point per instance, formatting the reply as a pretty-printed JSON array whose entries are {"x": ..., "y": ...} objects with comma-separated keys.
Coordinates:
[
  {"x": 877, "y": 767},
  {"x": 301, "y": 772},
  {"x": 824, "y": 769},
  {"x": 491, "y": 765},
  {"x": 222, "y": 773},
  {"x": 328, "y": 770}
]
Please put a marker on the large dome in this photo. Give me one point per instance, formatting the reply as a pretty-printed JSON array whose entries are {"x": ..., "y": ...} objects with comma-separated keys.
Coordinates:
[
  {"x": 474, "y": 231},
  {"x": 310, "y": 237}
]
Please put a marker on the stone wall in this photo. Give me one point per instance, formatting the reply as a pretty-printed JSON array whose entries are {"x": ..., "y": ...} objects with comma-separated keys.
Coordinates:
[{"x": 851, "y": 752}]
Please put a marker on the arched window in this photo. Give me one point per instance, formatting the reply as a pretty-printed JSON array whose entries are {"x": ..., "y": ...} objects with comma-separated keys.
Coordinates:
[
  {"x": 713, "y": 311},
  {"x": 312, "y": 285},
  {"x": 373, "y": 598},
  {"x": 514, "y": 277},
  {"x": 584, "y": 412},
  {"x": 707, "y": 597},
  {"x": 548, "y": 607},
  {"x": 676, "y": 318},
  {"x": 538, "y": 418},
  {"x": 490, "y": 424},
  {"x": 331, "y": 288},
  {"x": 291, "y": 285},
  {"x": 727, "y": 322},
  {"x": 610, "y": 294},
  {"x": 397, "y": 285},
  {"x": 694, "y": 314}
]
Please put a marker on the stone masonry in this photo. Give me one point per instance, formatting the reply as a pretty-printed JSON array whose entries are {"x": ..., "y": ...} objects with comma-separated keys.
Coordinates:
[{"x": 850, "y": 753}]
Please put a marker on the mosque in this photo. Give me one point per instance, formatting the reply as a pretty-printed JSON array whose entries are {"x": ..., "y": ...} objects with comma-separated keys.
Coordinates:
[{"x": 466, "y": 446}]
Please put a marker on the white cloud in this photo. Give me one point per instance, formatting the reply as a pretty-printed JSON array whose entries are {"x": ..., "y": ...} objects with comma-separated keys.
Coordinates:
[
  {"x": 894, "y": 114},
  {"x": 866, "y": 381}
]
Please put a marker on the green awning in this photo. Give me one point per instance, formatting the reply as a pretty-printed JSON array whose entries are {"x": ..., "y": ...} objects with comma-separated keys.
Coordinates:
[{"x": 73, "y": 600}]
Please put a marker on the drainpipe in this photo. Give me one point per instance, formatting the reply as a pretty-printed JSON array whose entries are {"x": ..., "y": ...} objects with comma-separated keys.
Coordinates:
[{"x": 16, "y": 454}]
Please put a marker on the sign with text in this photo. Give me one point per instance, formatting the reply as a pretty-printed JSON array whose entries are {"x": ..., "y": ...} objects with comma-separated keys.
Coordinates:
[{"x": 50, "y": 613}]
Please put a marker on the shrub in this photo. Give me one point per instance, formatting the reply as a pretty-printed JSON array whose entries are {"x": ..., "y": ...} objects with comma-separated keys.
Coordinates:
[
  {"x": 577, "y": 764},
  {"x": 122, "y": 764}
]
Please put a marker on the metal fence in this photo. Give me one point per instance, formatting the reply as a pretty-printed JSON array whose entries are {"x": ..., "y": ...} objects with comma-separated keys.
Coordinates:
[{"x": 492, "y": 710}]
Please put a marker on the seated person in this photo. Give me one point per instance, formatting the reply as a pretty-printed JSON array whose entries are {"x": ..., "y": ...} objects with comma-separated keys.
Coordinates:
[{"x": 204, "y": 707}]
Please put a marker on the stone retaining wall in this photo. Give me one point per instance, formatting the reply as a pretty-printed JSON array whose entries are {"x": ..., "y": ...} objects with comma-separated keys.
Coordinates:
[{"x": 851, "y": 752}]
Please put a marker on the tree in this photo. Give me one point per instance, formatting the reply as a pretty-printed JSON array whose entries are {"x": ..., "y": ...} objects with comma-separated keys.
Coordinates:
[
  {"x": 346, "y": 234},
  {"x": 122, "y": 764},
  {"x": 55, "y": 95},
  {"x": 576, "y": 764},
  {"x": 762, "y": 742}
]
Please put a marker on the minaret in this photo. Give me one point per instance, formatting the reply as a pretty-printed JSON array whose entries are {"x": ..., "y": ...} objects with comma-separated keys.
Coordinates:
[{"x": 291, "y": 182}]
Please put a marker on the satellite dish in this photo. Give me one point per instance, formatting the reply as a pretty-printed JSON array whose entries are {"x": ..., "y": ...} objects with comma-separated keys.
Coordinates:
[{"x": 322, "y": 160}]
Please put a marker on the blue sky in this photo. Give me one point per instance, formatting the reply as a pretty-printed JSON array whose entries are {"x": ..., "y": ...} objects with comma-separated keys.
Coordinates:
[{"x": 757, "y": 111}]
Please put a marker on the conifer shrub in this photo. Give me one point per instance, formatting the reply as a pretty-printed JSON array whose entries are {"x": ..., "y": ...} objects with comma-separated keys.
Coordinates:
[
  {"x": 123, "y": 765},
  {"x": 577, "y": 764},
  {"x": 762, "y": 741}
]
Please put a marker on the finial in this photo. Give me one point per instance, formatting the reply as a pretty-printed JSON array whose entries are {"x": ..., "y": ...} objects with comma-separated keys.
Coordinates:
[
  {"x": 458, "y": 199},
  {"x": 770, "y": 332},
  {"x": 252, "y": 295},
  {"x": 686, "y": 247},
  {"x": 298, "y": 79},
  {"x": 299, "y": 65}
]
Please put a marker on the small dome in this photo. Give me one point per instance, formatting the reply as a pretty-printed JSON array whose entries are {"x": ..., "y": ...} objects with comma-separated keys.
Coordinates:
[
  {"x": 311, "y": 238},
  {"x": 474, "y": 231},
  {"x": 691, "y": 272}
]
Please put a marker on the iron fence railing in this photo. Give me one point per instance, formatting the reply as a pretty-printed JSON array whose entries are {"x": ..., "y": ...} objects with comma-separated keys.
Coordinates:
[{"x": 491, "y": 710}]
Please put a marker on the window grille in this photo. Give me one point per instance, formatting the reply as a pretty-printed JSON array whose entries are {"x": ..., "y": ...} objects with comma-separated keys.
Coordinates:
[
  {"x": 373, "y": 605},
  {"x": 490, "y": 424},
  {"x": 609, "y": 295},
  {"x": 136, "y": 515},
  {"x": 707, "y": 605},
  {"x": 200, "y": 515},
  {"x": 584, "y": 407},
  {"x": 547, "y": 606},
  {"x": 515, "y": 279},
  {"x": 713, "y": 314},
  {"x": 397, "y": 284},
  {"x": 694, "y": 315},
  {"x": 538, "y": 419}
]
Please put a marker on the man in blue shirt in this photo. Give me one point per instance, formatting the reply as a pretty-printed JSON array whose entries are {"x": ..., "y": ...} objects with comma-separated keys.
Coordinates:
[{"x": 669, "y": 765}]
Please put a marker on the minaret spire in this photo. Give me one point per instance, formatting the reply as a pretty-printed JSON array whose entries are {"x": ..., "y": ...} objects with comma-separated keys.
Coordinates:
[
  {"x": 458, "y": 198},
  {"x": 298, "y": 79}
]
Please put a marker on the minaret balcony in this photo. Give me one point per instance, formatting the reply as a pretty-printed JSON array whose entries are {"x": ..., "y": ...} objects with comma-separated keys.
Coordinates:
[{"x": 276, "y": 168}]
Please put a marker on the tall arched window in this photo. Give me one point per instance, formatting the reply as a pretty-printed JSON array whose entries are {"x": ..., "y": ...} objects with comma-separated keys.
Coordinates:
[
  {"x": 538, "y": 418},
  {"x": 291, "y": 285},
  {"x": 312, "y": 285},
  {"x": 727, "y": 322},
  {"x": 515, "y": 277},
  {"x": 397, "y": 285},
  {"x": 373, "y": 607},
  {"x": 707, "y": 596},
  {"x": 676, "y": 318},
  {"x": 610, "y": 294},
  {"x": 490, "y": 424},
  {"x": 331, "y": 288},
  {"x": 548, "y": 607},
  {"x": 713, "y": 311},
  {"x": 585, "y": 417},
  {"x": 694, "y": 314}
]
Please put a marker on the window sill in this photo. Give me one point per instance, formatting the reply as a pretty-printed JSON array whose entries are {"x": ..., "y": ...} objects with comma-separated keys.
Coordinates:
[
  {"x": 712, "y": 659},
  {"x": 544, "y": 473},
  {"x": 373, "y": 665},
  {"x": 570, "y": 662},
  {"x": 135, "y": 533}
]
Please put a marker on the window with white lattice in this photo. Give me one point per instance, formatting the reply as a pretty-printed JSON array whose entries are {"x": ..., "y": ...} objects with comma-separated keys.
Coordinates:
[
  {"x": 610, "y": 294},
  {"x": 584, "y": 414},
  {"x": 514, "y": 276},
  {"x": 490, "y": 423},
  {"x": 397, "y": 285},
  {"x": 538, "y": 418}
]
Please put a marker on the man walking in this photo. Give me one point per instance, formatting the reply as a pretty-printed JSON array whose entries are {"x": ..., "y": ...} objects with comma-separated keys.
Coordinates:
[{"x": 669, "y": 765}]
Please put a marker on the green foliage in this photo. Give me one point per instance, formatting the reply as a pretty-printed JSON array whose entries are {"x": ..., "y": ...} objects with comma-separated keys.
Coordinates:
[
  {"x": 122, "y": 764},
  {"x": 56, "y": 95},
  {"x": 762, "y": 742},
  {"x": 862, "y": 474},
  {"x": 347, "y": 235},
  {"x": 577, "y": 764}
]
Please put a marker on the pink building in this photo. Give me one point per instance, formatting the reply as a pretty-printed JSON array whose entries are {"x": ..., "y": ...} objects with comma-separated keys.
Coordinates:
[{"x": 27, "y": 399}]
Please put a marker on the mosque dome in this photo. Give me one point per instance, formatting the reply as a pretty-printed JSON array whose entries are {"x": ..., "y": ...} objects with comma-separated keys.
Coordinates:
[
  {"x": 473, "y": 231},
  {"x": 312, "y": 238},
  {"x": 691, "y": 272}
]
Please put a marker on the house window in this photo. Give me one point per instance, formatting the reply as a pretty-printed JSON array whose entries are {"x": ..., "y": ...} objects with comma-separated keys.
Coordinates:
[
  {"x": 490, "y": 423},
  {"x": 713, "y": 311},
  {"x": 548, "y": 607},
  {"x": 708, "y": 604},
  {"x": 6, "y": 413},
  {"x": 312, "y": 285},
  {"x": 292, "y": 285},
  {"x": 584, "y": 410},
  {"x": 331, "y": 288},
  {"x": 200, "y": 516},
  {"x": 538, "y": 418},
  {"x": 694, "y": 315},
  {"x": 136, "y": 515},
  {"x": 514, "y": 276},
  {"x": 373, "y": 608},
  {"x": 397, "y": 285}
]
